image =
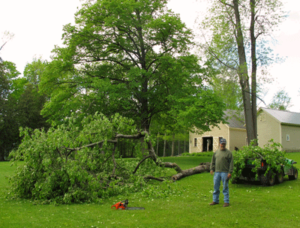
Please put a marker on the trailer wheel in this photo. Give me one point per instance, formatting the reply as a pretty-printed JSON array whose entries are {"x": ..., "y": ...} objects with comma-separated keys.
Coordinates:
[
  {"x": 264, "y": 179},
  {"x": 272, "y": 178},
  {"x": 295, "y": 176},
  {"x": 279, "y": 177},
  {"x": 268, "y": 179}
]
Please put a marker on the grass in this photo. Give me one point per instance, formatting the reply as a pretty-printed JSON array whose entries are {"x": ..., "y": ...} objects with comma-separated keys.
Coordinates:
[{"x": 251, "y": 205}]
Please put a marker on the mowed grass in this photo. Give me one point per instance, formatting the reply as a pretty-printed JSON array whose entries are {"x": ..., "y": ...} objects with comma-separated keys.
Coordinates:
[{"x": 251, "y": 205}]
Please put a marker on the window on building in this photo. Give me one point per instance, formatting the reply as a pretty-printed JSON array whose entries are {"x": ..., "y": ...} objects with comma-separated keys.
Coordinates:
[
  {"x": 195, "y": 142},
  {"x": 287, "y": 137}
]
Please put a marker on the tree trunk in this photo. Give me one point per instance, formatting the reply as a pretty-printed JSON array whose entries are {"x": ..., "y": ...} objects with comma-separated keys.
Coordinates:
[
  {"x": 164, "y": 146},
  {"x": 254, "y": 67},
  {"x": 243, "y": 74},
  {"x": 173, "y": 145}
]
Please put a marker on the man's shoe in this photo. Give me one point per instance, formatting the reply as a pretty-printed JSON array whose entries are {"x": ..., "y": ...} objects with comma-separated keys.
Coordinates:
[
  {"x": 213, "y": 203},
  {"x": 226, "y": 205}
]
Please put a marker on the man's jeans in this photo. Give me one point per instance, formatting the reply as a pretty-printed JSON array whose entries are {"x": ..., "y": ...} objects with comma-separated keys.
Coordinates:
[{"x": 217, "y": 181}]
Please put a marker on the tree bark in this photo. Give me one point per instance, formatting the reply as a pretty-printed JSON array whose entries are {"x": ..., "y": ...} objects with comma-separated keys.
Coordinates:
[
  {"x": 138, "y": 165},
  {"x": 254, "y": 67},
  {"x": 159, "y": 163},
  {"x": 243, "y": 74},
  {"x": 203, "y": 167}
]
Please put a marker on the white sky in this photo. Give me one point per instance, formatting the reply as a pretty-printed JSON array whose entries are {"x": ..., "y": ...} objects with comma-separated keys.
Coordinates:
[{"x": 37, "y": 25}]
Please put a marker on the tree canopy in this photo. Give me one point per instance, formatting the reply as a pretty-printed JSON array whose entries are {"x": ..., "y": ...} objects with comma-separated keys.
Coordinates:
[{"x": 129, "y": 57}]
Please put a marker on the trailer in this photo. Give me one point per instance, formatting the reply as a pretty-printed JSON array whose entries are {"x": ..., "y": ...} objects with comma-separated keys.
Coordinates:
[{"x": 265, "y": 176}]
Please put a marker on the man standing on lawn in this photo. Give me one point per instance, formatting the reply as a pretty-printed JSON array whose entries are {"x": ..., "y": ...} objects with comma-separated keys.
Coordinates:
[{"x": 222, "y": 165}]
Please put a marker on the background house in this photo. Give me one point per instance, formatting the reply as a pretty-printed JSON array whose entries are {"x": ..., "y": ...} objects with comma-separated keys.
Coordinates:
[
  {"x": 234, "y": 132},
  {"x": 282, "y": 126}
]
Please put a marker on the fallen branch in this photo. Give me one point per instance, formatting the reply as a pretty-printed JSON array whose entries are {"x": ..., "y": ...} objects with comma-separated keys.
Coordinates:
[
  {"x": 203, "y": 167},
  {"x": 138, "y": 165},
  {"x": 91, "y": 145},
  {"x": 137, "y": 136},
  {"x": 159, "y": 163},
  {"x": 153, "y": 178}
]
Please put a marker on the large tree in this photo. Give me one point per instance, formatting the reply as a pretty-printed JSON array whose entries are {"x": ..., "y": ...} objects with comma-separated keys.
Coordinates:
[
  {"x": 239, "y": 31},
  {"x": 130, "y": 57}
]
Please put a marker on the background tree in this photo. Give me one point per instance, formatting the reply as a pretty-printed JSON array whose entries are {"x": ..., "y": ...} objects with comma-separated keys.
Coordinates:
[
  {"x": 130, "y": 57},
  {"x": 238, "y": 31},
  {"x": 280, "y": 101},
  {"x": 20, "y": 106},
  {"x": 229, "y": 90},
  {"x": 33, "y": 71},
  {"x": 8, "y": 127}
]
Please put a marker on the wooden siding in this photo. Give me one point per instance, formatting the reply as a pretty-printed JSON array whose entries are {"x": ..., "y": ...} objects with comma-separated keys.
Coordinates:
[
  {"x": 237, "y": 138},
  {"x": 268, "y": 127},
  {"x": 215, "y": 133},
  {"x": 294, "y": 138}
]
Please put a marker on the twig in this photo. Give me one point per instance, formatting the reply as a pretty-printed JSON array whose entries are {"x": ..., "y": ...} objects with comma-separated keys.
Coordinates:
[
  {"x": 91, "y": 145},
  {"x": 153, "y": 178}
]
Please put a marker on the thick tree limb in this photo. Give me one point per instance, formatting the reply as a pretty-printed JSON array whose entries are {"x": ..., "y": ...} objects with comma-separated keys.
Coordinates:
[
  {"x": 188, "y": 172},
  {"x": 137, "y": 136}
]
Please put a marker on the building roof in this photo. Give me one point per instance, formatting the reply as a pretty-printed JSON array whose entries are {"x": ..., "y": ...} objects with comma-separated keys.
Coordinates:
[
  {"x": 285, "y": 117},
  {"x": 235, "y": 119}
]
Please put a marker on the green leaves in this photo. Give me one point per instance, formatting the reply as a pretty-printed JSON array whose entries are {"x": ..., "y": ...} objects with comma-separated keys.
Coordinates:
[
  {"x": 76, "y": 163},
  {"x": 128, "y": 57},
  {"x": 271, "y": 153}
]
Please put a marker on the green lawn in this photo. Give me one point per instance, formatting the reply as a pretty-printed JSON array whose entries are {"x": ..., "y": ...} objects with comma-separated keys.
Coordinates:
[{"x": 251, "y": 206}]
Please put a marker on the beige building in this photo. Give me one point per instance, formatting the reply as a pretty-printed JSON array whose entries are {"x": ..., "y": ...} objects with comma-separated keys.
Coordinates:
[
  {"x": 281, "y": 126},
  {"x": 234, "y": 132}
]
